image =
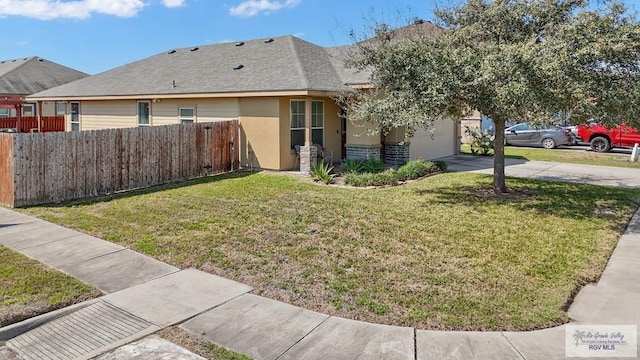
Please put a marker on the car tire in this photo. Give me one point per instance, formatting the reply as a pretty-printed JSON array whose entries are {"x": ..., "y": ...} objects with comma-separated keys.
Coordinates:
[
  {"x": 548, "y": 143},
  {"x": 600, "y": 144}
]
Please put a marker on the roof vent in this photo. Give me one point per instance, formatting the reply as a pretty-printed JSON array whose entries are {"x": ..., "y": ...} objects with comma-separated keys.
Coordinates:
[
  {"x": 238, "y": 67},
  {"x": 25, "y": 59},
  {"x": 40, "y": 59},
  {"x": 14, "y": 60},
  {"x": 268, "y": 41},
  {"x": 418, "y": 21},
  {"x": 171, "y": 52},
  {"x": 240, "y": 43},
  {"x": 195, "y": 49}
]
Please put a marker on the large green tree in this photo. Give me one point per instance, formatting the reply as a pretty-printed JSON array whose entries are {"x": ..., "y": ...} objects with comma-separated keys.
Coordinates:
[{"x": 520, "y": 60}]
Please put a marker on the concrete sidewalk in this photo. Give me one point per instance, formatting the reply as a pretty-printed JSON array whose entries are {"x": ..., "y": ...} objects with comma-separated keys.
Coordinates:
[{"x": 145, "y": 295}]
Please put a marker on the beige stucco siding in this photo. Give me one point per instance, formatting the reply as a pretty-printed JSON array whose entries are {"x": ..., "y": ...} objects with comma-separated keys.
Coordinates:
[
  {"x": 95, "y": 115},
  {"x": 259, "y": 133},
  {"x": 331, "y": 139},
  {"x": 357, "y": 134},
  {"x": 444, "y": 141},
  {"x": 218, "y": 109},
  {"x": 332, "y": 133}
]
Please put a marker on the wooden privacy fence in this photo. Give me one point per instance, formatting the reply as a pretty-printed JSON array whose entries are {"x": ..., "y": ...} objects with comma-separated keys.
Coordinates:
[
  {"x": 44, "y": 168},
  {"x": 28, "y": 123}
]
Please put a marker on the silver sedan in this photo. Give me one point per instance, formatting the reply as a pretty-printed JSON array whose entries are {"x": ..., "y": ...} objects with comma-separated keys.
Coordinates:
[{"x": 525, "y": 134}]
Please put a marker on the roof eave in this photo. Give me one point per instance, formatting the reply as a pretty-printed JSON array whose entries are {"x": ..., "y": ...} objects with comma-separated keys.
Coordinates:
[{"x": 323, "y": 93}]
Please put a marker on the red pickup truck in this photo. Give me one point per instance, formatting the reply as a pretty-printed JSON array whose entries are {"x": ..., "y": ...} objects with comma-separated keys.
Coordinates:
[{"x": 602, "y": 139}]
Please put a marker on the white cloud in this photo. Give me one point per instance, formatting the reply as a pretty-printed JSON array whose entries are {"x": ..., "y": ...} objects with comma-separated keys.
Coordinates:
[
  {"x": 173, "y": 3},
  {"x": 76, "y": 9},
  {"x": 254, "y": 7}
]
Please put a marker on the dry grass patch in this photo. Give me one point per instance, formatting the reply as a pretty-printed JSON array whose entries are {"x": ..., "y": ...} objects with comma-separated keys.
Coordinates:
[
  {"x": 198, "y": 345},
  {"x": 440, "y": 253},
  {"x": 29, "y": 288}
]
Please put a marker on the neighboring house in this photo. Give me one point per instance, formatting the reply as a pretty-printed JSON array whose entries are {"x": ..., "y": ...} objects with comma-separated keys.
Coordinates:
[
  {"x": 271, "y": 85},
  {"x": 472, "y": 121},
  {"x": 26, "y": 76}
]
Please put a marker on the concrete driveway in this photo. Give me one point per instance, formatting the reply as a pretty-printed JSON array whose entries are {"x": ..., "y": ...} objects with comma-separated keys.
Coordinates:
[{"x": 545, "y": 170}]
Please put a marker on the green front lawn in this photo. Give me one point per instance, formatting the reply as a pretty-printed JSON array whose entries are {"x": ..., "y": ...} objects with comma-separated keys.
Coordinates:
[
  {"x": 439, "y": 253},
  {"x": 29, "y": 288},
  {"x": 567, "y": 155}
]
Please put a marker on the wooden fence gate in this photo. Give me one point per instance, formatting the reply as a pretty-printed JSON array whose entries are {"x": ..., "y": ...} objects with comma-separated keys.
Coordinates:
[{"x": 42, "y": 168}]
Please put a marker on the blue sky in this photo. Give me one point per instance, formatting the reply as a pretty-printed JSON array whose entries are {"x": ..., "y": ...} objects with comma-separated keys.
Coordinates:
[{"x": 97, "y": 35}]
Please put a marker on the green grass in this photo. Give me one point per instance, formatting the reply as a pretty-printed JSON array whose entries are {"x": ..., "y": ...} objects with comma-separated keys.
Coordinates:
[
  {"x": 574, "y": 156},
  {"x": 439, "y": 253},
  {"x": 29, "y": 288}
]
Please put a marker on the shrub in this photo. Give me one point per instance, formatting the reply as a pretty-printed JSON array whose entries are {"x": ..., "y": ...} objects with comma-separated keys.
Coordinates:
[
  {"x": 481, "y": 141},
  {"x": 351, "y": 165},
  {"x": 323, "y": 172},
  {"x": 387, "y": 177},
  {"x": 441, "y": 165},
  {"x": 418, "y": 168},
  {"x": 372, "y": 166},
  {"x": 413, "y": 170}
]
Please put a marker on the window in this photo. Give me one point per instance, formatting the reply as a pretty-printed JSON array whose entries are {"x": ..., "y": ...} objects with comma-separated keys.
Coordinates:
[
  {"x": 29, "y": 110},
  {"x": 74, "y": 115},
  {"x": 60, "y": 108},
  {"x": 317, "y": 122},
  {"x": 297, "y": 122},
  {"x": 187, "y": 115},
  {"x": 4, "y": 113},
  {"x": 144, "y": 113}
]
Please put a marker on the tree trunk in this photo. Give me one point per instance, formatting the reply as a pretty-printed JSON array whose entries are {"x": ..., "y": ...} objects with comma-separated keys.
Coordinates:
[{"x": 499, "y": 183}]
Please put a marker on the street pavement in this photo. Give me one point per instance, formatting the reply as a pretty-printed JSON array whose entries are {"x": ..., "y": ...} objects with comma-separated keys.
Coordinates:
[{"x": 143, "y": 295}]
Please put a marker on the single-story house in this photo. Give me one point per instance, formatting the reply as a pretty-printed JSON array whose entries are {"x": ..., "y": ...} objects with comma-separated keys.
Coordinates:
[
  {"x": 26, "y": 76},
  {"x": 271, "y": 85}
]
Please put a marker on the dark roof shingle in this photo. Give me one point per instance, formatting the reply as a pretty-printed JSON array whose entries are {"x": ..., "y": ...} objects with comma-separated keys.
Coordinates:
[
  {"x": 284, "y": 64},
  {"x": 33, "y": 74}
]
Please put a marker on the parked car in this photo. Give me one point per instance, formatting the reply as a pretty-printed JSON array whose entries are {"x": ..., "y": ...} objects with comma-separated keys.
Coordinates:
[
  {"x": 572, "y": 130},
  {"x": 602, "y": 139},
  {"x": 525, "y": 134}
]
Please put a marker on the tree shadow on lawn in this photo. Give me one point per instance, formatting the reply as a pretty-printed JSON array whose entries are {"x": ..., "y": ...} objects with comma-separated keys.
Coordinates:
[
  {"x": 561, "y": 199},
  {"x": 153, "y": 189}
]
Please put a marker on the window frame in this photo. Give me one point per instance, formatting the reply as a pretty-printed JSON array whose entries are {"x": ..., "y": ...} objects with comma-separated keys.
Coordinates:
[
  {"x": 71, "y": 122},
  {"x": 3, "y": 114},
  {"x": 33, "y": 110},
  {"x": 64, "y": 106},
  {"x": 313, "y": 115},
  {"x": 185, "y": 119},
  {"x": 297, "y": 113},
  {"x": 138, "y": 103}
]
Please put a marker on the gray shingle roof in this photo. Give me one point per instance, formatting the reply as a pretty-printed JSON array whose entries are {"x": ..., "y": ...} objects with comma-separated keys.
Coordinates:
[
  {"x": 284, "y": 64},
  {"x": 33, "y": 74},
  {"x": 350, "y": 76}
]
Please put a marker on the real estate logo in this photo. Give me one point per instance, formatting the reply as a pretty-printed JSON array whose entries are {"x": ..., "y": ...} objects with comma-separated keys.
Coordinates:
[{"x": 601, "y": 341}]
